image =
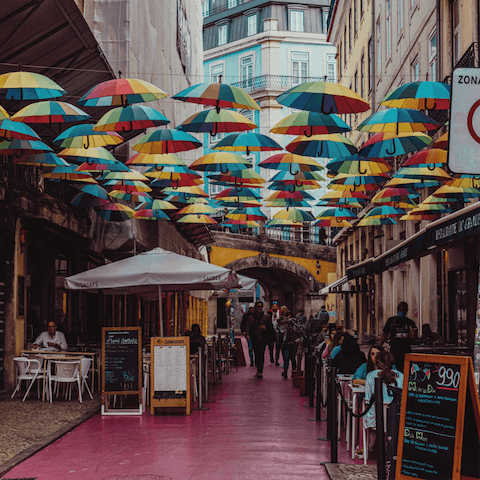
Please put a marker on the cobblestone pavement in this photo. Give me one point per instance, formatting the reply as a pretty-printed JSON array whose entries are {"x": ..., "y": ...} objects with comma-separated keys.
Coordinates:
[
  {"x": 342, "y": 471},
  {"x": 33, "y": 422}
]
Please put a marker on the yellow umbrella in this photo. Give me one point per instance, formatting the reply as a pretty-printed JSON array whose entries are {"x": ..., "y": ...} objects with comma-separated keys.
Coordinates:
[
  {"x": 197, "y": 208},
  {"x": 203, "y": 219}
]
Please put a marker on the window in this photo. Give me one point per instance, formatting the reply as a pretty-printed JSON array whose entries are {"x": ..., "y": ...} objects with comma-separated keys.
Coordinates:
[
  {"x": 370, "y": 65},
  {"x": 432, "y": 55},
  {"x": 205, "y": 8},
  {"x": 388, "y": 23},
  {"x": 355, "y": 18},
  {"x": 456, "y": 31},
  {"x": 362, "y": 75},
  {"x": 251, "y": 25},
  {"x": 222, "y": 35},
  {"x": 232, "y": 3},
  {"x": 296, "y": 21},
  {"x": 400, "y": 15},
  {"x": 246, "y": 71},
  {"x": 331, "y": 68},
  {"x": 299, "y": 67},
  {"x": 415, "y": 70},
  {"x": 378, "y": 53},
  {"x": 216, "y": 73}
]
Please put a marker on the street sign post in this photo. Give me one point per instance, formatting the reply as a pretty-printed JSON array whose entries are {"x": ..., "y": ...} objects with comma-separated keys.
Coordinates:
[{"x": 464, "y": 136}]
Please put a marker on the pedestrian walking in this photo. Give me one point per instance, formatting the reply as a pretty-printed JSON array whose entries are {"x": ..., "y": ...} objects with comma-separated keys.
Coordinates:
[
  {"x": 288, "y": 337},
  {"x": 260, "y": 330},
  {"x": 401, "y": 331},
  {"x": 274, "y": 313},
  {"x": 323, "y": 316},
  {"x": 243, "y": 328}
]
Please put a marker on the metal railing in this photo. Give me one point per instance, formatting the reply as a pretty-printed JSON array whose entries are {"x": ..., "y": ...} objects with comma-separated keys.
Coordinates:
[
  {"x": 470, "y": 58},
  {"x": 208, "y": 10},
  {"x": 276, "y": 82}
]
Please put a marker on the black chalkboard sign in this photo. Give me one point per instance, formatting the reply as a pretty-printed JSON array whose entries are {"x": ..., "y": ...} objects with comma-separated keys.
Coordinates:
[
  {"x": 437, "y": 431},
  {"x": 122, "y": 368}
]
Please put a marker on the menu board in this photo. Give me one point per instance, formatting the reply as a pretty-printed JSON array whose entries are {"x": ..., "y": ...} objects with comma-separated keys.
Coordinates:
[
  {"x": 170, "y": 370},
  {"x": 121, "y": 360},
  {"x": 439, "y": 431}
]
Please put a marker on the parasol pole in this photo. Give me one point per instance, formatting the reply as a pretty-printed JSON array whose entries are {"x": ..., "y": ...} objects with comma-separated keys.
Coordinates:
[{"x": 160, "y": 309}]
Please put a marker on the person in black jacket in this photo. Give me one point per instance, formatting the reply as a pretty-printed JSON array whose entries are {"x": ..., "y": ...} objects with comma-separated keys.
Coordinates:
[
  {"x": 350, "y": 356},
  {"x": 243, "y": 328}
]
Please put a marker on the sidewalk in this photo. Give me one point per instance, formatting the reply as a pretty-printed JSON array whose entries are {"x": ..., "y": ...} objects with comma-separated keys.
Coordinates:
[{"x": 255, "y": 429}]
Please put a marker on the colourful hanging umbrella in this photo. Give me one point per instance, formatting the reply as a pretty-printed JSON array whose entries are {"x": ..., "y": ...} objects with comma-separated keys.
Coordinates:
[
  {"x": 432, "y": 207},
  {"x": 20, "y": 131},
  {"x": 371, "y": 222},
  {"x": 203, "y": 219},
  {"x": 158, "y": 159},
  {"x": 68, "y": 173},
  {"x": 247, "y": 142},
  {"x": 291, "y": 162},
  {"x": 237, "y": 202},
  {"x": 240, "y": 223},
  {"x": 285, "y": 194},
  {"x": 115, "y": 212},
  {"x": 166, "y": 141},
  {"x": 354, "y": 196},
  {"x": 310, "y": 123},
  {"x": 421, "y": 216},
  {"x": 282, "y": 222},
  {"x": 131, "y": 175},
  {"x": 337, "y": 213},
  {"x": 91, "y": 196},
  {"x": 176, "y": 183},
  {"x": 435, "y": 157},
  {"x": 132, "y": 117},
  {"x": 240, "y": 192},
  {"x": 194, "y": 191},
  {"x": 89, "y": 155},
  {"x": 240, "y": 178},
  {"x": 358, "y": 165},
  {"x": 83, "y": 136},
  {"x": 184, "y": 198},
  {"x": 49, "y": 112},
  {"x": 218, "y": 95},
  {"x": 102, "y": 166},
  {"x": 361, "y": 183},
  {"x": 140, "y": 197},
  {"x": 295, "y": 215},
  {"x": 128, "y": 186},
  {"x": 157, "y": 204},
  {"x": 217, "y": 121},
  {"x": 421, "y": 95},
  {"x": 299, "y": 177},
  {"x": 3, "y": 113},
  {"x": 398, "y": 120},
  {"x": 29, "y": 86},
  {"x": 288, "y": 203},
  {"x": 442, "y": 142},
  {"x": 22, "y": 147},
  {"x": 385, "y": 210},
  {"x": 326, "y": 146},
  {"x": 121, "y": 92},
  {"x": 324, "y": 97},
  {"x": 197, "y": 208},
  {"x": 221, "y": 162},
  {"x": 47, "y": 159},
  {"x": 249, "y": 213},
  {"x": 332, "y": 223},
  {"x": 411, "y": 183},
  {"x": 455, "y": 193},
  {"x": 422, "y": 173},
  {"x": 293, "y": 185},
  {"x": 146, "y": 213},
  {"x": 172, "y": 172},
  {"x": 386, "y": 144},
  {"x": 400, "y": 197},
  {"x": 339, "y": 202}
]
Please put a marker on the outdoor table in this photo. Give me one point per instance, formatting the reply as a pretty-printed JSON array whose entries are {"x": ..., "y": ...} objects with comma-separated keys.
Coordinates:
[
  {"x": 48, "y": 355},
  {"x": 355, "y": 392},
  {"x": 344, "y": 379}
]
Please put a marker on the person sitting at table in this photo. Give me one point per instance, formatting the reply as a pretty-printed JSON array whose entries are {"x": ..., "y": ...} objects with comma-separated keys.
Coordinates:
[
  {"x": 365, "y": 368},
  {"x": 429, "y": 337},
  {"x": 196, "y": 339},
  {"x": 51, "y": 339},
  {"x": 350, "y": 356}
]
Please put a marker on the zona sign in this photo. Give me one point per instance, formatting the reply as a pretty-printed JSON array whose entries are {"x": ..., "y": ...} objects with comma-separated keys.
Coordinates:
[{"x": 464, "y": 136}]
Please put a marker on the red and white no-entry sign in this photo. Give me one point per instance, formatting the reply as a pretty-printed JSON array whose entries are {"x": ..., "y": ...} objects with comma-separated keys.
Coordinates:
[{"x": 464, "y": 136}]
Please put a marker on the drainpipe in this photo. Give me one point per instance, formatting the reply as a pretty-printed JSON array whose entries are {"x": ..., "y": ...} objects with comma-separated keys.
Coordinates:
[
  {"x": 374, "y": 62},
  {"x": 478, "y": 25},
  {"x": 439, "y": 44}
]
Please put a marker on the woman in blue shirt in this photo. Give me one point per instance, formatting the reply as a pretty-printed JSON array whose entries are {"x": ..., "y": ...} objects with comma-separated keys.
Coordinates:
[{"x": 367, "y": 367}]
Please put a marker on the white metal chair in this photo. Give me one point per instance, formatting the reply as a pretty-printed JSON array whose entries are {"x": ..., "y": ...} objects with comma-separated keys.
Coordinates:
[
  {"x": 85, "y": 364},
  {"x": 366, "y": 431},
  {"x": 66, "y": 371},
  {"x": 30, "y": 370}
]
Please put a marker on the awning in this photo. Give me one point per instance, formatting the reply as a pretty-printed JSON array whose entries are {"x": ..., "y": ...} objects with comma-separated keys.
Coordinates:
[
  {"x": 339, "y": 286},
  {"x": 361, "y": 269}
]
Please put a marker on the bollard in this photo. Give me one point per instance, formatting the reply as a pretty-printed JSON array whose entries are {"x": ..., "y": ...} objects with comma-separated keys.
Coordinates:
[
  {"x": 307, "y": 375},
  {"x": 318, "y": 405},
  {"x": 312, "y": 381},
  {"x": 219, "y": 352},
  {"x": 213, "y": 364},
  {"x": 200, "y": 381},
  {"x": 207, "y": 389},
  {"x": 393, "y": 420},
  {"x": 330, "y": 407},
  {"x": 379, "y": 420},
  {"x": 332, "y": 412}
]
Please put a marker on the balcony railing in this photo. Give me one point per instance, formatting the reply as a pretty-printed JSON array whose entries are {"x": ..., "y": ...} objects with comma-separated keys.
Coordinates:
[{"x": 275, "y": 82}]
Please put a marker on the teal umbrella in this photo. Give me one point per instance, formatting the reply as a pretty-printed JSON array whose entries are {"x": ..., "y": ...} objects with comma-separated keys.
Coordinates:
[
  {"x": 247, "y": 142},
  {"x": 325, "y": 146}
]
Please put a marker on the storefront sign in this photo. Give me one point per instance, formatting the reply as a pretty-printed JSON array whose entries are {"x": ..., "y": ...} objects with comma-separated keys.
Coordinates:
[
  {"x": 464, "y": 135},
  {"x": 360, "y": 270}
]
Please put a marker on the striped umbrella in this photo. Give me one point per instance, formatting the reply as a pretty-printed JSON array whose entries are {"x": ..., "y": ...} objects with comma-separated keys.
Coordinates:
[
  {"x": 399, "y": 197},
  {"x": 121, "y": 92},
  {"x": 102, "y": 166},
  {"x": 183, "y": 197},
  {"x": 337, "y": 213},
  {"x": 132, "y": 117},
  {"x": 128, "y": 186},
  {"x": 22, "y": 147},
  {"x": 411, "y": 183},
  {"x": 83, "y": 136},
  {"x": 217, "y": 121},
  {"x": 340, "y": 203},
  {"x": 324, "y": 97},
  {"x": 456, "y": 193},
  {"x": 287, "y": 203},
  {"x": 91, "y": 196},
  {"x": 293, "y": 195},
  {"x": 385, "y": 144},
  {"x": 295, "y": 215},
  {"x": 249, "y": 213},
  {"x": 310, "y": 123},
  {"x": 435, "y": 157},
  {"x": 68, "y": 173},
  {"x": 49, "y": 112},
  {"x": 48, "y": 159},
  {"x": 385, "y": 210},
  {"x": 240, "y": 178},
  {"x": 398, "y": 120},
  {"x": 158, "y": 159},
  {"x": 218, "y": 95},
  {"x": 297, "y": 178},
  {"x": 282, "y": 222},
  {"x": 442, "y": 142},
  {"x": 291, "y": 162},
  {"x": 366, "y": 221},
  {"x": 422, "y": 173},
  {"x": 237, "y": 202},
  {"x": 293, "y": 185},
  {"x": 202, "y": 219},
  {"x": 115, "y": 212},
  {"x": 29, "y": 86},
  {"x": 326, "y": 146},
  {"x": 421, "y": 95},
  {"x": 357, "y": 164},
  {"x": 240, "y": 192},
  {"x": 419, "y": 215},
  {"x": 166, "y": 141},
  {"x": 194, "y": 191},
  {"x": 197, "y": 208},
  {"x": 147, "y": 213},
  {"x": 221, "y": 162},
  {"x": 247, "y": 142},
  {"x": 332, "y": 223},
  {"x": 176, "y": 183},
  {"x": 172, "y": 172},
  {"x": 20, "y": 131},
  {"x": 140, "y": 197},
  {"x": 240, "y": 223},
  {"x": 360, "y": 183},
  {"x": 90, "y": 155}
]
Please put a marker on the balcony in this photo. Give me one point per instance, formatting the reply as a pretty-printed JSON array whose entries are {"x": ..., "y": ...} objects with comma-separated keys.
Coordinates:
[{"x": 275, "y": 82}]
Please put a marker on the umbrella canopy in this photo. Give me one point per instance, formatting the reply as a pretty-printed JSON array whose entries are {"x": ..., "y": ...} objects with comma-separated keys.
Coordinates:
[
  {"x": 357, "y": 164},
  {"x": 419, "y": 215},
  {"x": 194, "y": 191},
  {"x": 221, "y": 162},
  {"x": 247, "y": 142},
  {"x": 132, "y": 117},
  {"x": 237, "y": 202},
  {"x": 291, "y": 162},
  {"x": 69, "y": 173},
  {"x": 217, "y": 121},
  {"x": 326, "y": 146},
  {"x": 421, "y": 95},
  {"x": 386, "y": 144},
  {"x": 230, "y": 222},
  {"x": 435, "y": 157},
  {"x": 47, "y": 159},
  {"x": 83, "y": 136},
  {"x": 218, "y": 95},
  {"x": 184, "y": 198},
  {"x": 442, "y": 142},
  {"x": 91, "y": 196},
  {"x": 338, "y": 213},
  {"x": 197, "y": 208},
  {"x": 140, "y": 197},
  {"x": 293, "y": 185},
  {"x": 22, "y": 147},
  {"x": 144, "y": 273},
  {"x": 432, "y": 207},
  {"x": 285, "y": 194},
  {"x": 339, "y": 202},
  {"x": 324, "y": 97},
  {"x": 398, "y": 120},
  {"x": 166, "y": 141},
  {"x": 3, "y": 113},
  {"x": 197, "y": 218},
  {"x": 49, "y": 112},
  {"x": 385, "y": 210},
  {"x": 157, "y": 204},
  {"x": 29, "y": 86},
  {"x": 310, "y": 123},
  {"x": 411, "y": 183},
  {"x": 398, "y": 197},
  {"x": 173, "y": 172},
  {"x": 131, "y": 175},
  {"x": 297, "y": 178},
  {"x": 240, "y": 192},
  {"x": 158, "y": 159},
  {"x": 21, "y": 131},
  {"x": 282, "y": 222},
  {"x": 115, "y": 212},
  {"x": 147, "y": 213},
  {"x": 128, "y": 186},
  {"x": 367, "y": 221},
  {"x": 246, "y": 178},
  {"x": 250, "y": 213},
  {"x": 360, "y": 183},
  {"x": 295, "y": 215},
  {"x": 288, "y": 203},
  {"x": 422, "y": 173},
  {"x": 121, "y": 92},
  {"x": 332, "y": 223},
  {"x": 450, "y": 191},
  {"x": 89, "y": 155}
]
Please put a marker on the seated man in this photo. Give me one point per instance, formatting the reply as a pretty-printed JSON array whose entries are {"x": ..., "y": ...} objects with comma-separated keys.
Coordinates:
[{"x": 51, "y": 339}]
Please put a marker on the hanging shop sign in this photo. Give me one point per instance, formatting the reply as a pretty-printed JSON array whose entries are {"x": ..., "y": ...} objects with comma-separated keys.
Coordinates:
[
  {"x": 464, "y": 135},
  {"x": 439, "y": 419}
]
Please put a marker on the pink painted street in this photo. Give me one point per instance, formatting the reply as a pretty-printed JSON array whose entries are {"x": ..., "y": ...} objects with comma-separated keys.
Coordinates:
[{"x": 256, "y": 428}]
